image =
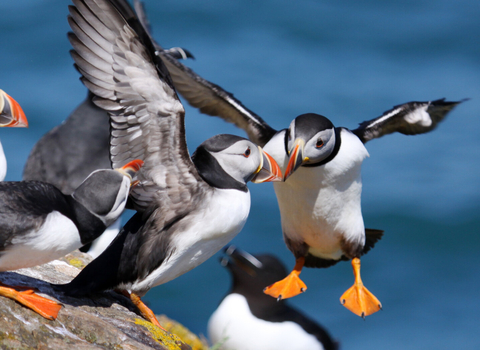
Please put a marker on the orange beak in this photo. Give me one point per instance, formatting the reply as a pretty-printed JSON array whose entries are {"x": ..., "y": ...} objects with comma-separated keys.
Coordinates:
[
  {"x": 296, "y": 158},
  {"x": 268, "y": 171},
  {"x": 11, "y": 114},
  {"x": 130, "y": 169}
]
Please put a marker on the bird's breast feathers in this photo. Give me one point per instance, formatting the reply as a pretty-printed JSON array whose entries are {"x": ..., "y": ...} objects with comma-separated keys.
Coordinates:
[{"x": 322, "y": 205}]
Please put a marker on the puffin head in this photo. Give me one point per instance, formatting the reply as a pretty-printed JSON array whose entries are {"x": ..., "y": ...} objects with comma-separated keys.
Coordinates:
[
  {"x": 229, "y": 161},
  {"x": 310, "y": 139},
  {"x": 11, "y": 114},
  {"x": 104, "y": 192}
]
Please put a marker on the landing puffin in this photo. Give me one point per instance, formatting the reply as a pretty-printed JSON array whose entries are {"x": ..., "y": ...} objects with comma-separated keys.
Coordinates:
[
  {"x": 11, "y": 115},
  {"x": 247, "y": 319},
  {"x": 38, "y": 223},
  {"x": 319, "y": 201},
  {"x": 187, "y": 208}
]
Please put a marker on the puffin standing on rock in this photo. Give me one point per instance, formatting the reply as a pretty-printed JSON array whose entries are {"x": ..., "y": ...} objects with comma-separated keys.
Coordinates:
[
  {"x": 38, "y": 223},
  {"x": 247, "y": 319},
  {"x": 187, "y": 208},
  {"x": 11, "y": 115},
  {"x": 319, "y": 201}
]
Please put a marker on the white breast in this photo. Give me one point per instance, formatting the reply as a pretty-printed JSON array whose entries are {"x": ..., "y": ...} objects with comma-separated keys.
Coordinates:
[
  {"x": 320, "y": 205},
  {"x": 3, "y": 164},
  {"x": 57, "y": 237},
  {"x": 220, "y": 219},
  {"x": 236, "y": 328}
]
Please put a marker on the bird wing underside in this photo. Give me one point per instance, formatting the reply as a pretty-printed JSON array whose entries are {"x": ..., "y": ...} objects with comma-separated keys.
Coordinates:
[
  {"x": 147, "y": 119},
  {"x": 409, "y": 118},
  {"x": 208, "y": 97}
]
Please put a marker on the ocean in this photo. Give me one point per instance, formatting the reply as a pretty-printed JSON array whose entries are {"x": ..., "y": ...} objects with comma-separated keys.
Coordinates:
[{"x": 349, "y": 61}]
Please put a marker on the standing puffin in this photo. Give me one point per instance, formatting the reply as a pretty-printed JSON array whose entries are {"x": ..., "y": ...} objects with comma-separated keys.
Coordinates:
[
  {"x": 11, "y": 115},
  {"x": 247, "y": 319},
  {"x": 38, "y": 223},
  {"x": 187, "y": 208},
  {"x": 319, "y": 201}
]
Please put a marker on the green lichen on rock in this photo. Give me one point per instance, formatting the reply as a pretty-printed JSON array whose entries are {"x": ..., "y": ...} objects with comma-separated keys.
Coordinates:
[
  {"x": 183, "y": 332},
  {"x": 171, "y": 341}
]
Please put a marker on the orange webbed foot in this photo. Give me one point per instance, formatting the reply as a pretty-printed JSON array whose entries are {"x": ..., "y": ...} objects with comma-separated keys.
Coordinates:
[
  {"x": 43, "y": 306},
  {"x": 146, "y": 312},
  {"x": 290, "y": 286},
  {"x": 359, "y": 299}
]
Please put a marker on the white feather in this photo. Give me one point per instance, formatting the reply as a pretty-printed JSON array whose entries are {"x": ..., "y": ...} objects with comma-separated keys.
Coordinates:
[
  {"x": 57, "y": 237},
  {"x": 233, "y": 325}
]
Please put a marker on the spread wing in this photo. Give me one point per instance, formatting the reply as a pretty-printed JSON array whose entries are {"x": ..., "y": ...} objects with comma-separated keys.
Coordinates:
[
  {"x": 119, "y": 66},
  {"x": 409, "y": 118},
  {"x": 208, "y": 97}
]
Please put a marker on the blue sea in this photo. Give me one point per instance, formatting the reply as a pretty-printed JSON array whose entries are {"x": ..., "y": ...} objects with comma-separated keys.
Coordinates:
[{"x": 350, "y": 61}]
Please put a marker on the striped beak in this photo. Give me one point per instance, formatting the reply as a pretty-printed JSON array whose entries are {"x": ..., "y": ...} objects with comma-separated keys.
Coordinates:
[
  {"x": 296, "y": 158},
  {"x": 11, "y": 114},
  {"x": 241, "y": 259},
  {"x": 130, "y": 169},
  {"x": 268, "y": 170}
]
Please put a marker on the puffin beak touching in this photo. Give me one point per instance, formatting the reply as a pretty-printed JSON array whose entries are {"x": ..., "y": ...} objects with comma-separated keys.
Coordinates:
[
  {"x": 268, "y": 170},
  {"x": 11, "y": 114},
  {"x": 296, "y": 158}
]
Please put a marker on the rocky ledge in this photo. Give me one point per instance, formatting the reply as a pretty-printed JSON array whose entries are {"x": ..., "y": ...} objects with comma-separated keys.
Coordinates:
[{"x": 109, "y": 321}]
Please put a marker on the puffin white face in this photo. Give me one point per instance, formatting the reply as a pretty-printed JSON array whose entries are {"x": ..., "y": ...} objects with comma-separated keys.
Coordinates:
[
  {"x": 104, "y": 193},
  {"x": 311, "y": 139},
  {"x": 243, "y": 160},
  {"x": 229, "y": 161}
]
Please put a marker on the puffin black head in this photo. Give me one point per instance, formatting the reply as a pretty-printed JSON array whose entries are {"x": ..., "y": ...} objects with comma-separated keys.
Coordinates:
[
  {"x": 311, "y": 139},
  {"x": 104, "y": 193},
  {"x": 229, "y": 162},
  {"x": 251, "y": 274}
]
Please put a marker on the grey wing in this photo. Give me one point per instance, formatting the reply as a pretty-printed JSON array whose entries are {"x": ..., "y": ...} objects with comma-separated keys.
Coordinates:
[
  {"x": 409, "y": 118},
  {"x": 147, "y": 118},
  {"x": 208, "y": 97}
]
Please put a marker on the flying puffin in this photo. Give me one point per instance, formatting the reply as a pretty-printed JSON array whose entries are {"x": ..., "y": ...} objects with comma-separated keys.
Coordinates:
[
  {"x": 38, "y": 223},
  {"x": 11, "y": 115},
  {"x": 247, "y": 319},
  {"x": 187, "y": 208},
  {"x": 319, "y": 201}
]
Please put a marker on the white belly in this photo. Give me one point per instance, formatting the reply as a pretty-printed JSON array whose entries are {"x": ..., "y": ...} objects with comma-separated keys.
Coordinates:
[
  {"x": 56, "y": 238},
  {"x": 213, "y": 228},
  {"x": 322, "y": 205},
  {"x": 234, "y": 322}
]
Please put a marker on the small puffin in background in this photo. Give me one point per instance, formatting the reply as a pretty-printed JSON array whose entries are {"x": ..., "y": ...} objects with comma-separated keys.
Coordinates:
[
  {"x": 11, "y": 115},
  {"x": 247, "y": 319},
  {"x": 188, "y": 208},
  {"x": 319, "y": 200},
  {"x": 38, "y": 223}
]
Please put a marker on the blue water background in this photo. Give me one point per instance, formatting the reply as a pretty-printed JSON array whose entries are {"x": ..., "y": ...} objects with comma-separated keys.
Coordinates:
[{"x": 350, "y": 61}]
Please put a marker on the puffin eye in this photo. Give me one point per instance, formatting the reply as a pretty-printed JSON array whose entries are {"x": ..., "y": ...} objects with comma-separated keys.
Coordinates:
[
  {"x": 319, "y": 143},
  {"x": 247, "y": 153}
]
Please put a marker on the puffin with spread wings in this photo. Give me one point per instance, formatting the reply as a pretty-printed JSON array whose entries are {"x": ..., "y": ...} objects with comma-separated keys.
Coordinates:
[
  {"x": 319, "y": 201},
  {"x": 187, "y": 208}
]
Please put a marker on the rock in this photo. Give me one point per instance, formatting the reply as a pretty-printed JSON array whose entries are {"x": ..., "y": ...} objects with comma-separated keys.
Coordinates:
[{"x": 109, "y": 321}]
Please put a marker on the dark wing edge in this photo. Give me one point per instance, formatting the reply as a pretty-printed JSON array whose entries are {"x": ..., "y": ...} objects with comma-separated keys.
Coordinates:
[
  {"x": 208, "y": 97},
  {"x": 410, "y": 118}
]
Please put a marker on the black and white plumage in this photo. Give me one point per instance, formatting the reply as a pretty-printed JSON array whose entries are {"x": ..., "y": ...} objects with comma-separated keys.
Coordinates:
[
  {"x": 11, "y": 115},
  {"x": 320, "y": 199},
  {"x": 187, "y": 208},
  {"x": 247, "y": 319},
  {"x": 38, "y": 223}
]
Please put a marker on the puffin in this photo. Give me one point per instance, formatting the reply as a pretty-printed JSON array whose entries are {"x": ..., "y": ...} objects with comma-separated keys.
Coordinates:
[
  {"x": 319, "y": 200},
  {"x": 11, "y": 115},
  {"x": 187, "y": 208},
  {"x": 40, "y": 224},
  {"x": 247, "y": 319}
]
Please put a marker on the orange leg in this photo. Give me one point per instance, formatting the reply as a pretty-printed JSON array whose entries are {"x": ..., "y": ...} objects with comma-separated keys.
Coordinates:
[
  {"x": 357, "y": 298},
  {"x": 43, "y": 306},
  {"x": 144, "y": 309},
  {"x": 290, "y": 286}
]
